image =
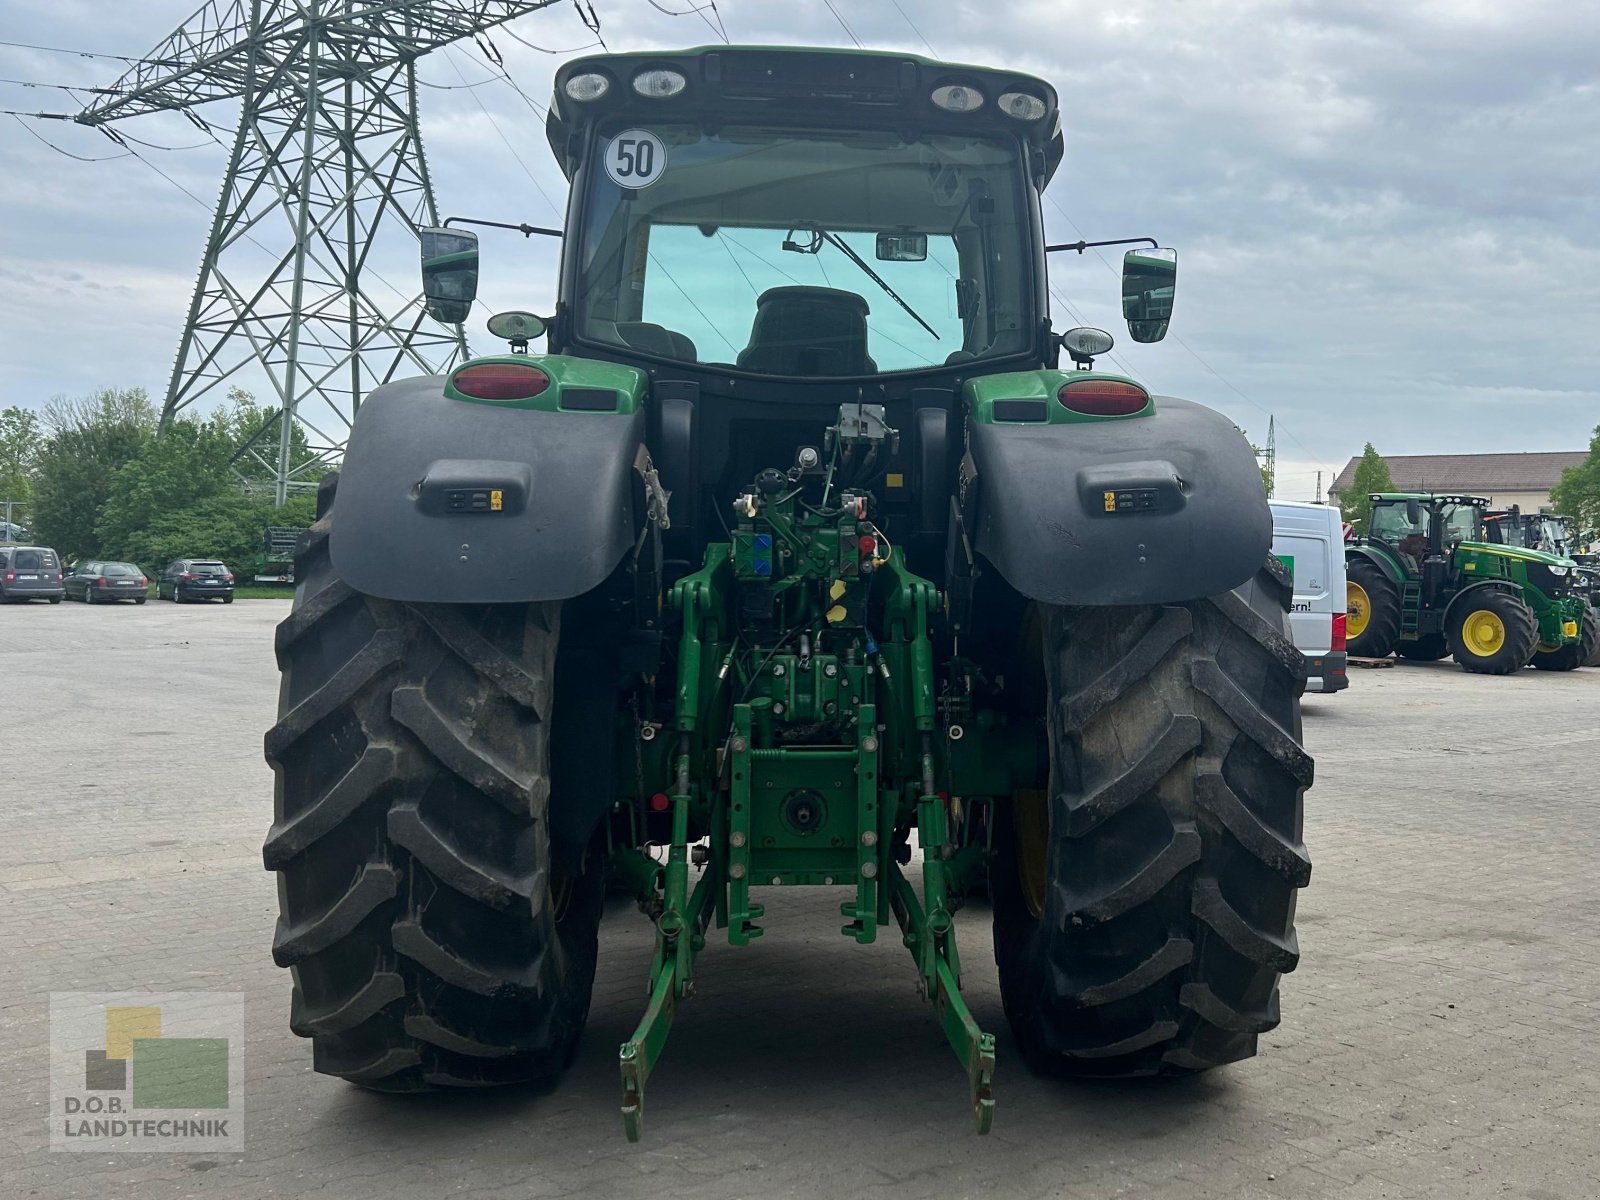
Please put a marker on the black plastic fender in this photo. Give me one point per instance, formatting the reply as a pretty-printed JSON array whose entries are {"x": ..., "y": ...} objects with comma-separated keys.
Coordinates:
[
  {"x": 416, "y": 518},
  {"x": 1146, "y": 510}
]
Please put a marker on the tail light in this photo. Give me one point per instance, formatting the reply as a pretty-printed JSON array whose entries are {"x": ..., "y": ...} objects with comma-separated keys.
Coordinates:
[
  {"x": 60, "y": 578},
  {"x": 227, "y": 579},
  {"x": 500, "y": 381},
  {"x": 11, "y": 576},
  {"x": 1103, "y": 397},
  {"x": 102, "y": 582},
  {"x": 186, "y": 577},
  {"x": 1338, "y": 631}
]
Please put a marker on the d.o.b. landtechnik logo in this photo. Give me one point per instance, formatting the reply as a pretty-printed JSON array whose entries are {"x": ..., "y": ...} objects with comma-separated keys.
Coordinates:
[{"x": 147, "y": 1071}]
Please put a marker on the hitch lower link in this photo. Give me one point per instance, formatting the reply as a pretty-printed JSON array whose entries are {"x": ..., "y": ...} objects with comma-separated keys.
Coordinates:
[{"x": 723, "y": 890}]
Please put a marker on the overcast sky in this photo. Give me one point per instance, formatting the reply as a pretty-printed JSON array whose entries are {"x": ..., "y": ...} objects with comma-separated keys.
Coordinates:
[{"x": 1385, "y": 213}]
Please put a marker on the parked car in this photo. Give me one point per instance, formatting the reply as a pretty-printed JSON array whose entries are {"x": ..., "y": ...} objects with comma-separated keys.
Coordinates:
[
  {"x": 195, "y": 579},
  {"x": 1309, "y": 539},
  {"x": 100, "y": 582},
  {"x": 30, "y": 573}
]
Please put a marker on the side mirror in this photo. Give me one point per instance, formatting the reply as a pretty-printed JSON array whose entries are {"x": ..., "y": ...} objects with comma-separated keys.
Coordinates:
[
  {"x": 1413, "y": 512},
  {"x": 449, "y": 273},
  {"x": 902, "y": 247},
  {"x": 1149, "y": 278}
]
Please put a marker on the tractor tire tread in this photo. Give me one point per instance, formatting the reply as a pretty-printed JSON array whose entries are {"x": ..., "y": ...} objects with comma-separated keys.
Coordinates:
[
  {"x": 1175, "y": 850},
  {"x": 409, "y": 839}
]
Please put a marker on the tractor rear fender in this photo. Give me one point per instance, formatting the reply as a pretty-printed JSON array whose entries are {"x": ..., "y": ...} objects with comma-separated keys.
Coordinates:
[
  {"x": 1149, "y": 509},
  {"x": 450, "y": 502}
]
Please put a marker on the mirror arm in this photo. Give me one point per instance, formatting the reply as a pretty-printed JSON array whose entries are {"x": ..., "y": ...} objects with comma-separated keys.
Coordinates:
[
  {"x": 524, "y": 230},
  {"x": 1080, "y": 247}
]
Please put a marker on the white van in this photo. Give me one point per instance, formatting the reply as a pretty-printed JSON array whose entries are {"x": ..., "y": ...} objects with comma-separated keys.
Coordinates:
[{"x": 1309, "y": 538}]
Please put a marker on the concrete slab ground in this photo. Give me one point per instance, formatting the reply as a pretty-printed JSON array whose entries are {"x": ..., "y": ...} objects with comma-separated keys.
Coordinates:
[{"x": 1440, "y": 1039}]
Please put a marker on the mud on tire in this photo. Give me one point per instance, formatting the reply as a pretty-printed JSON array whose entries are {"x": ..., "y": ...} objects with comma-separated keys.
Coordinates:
[
  {"x": 429, "y": 941},
  {"x": 1173, "y": 850}
]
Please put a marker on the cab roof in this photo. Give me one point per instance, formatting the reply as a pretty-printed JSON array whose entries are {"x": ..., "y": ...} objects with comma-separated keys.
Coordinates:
[
  {"x": 803, "y": 86},
  {"x": 1430, "y": 497}
]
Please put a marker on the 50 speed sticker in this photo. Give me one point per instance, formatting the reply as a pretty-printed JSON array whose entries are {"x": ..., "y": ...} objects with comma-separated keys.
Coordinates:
[{"x": 635, "y": 158}]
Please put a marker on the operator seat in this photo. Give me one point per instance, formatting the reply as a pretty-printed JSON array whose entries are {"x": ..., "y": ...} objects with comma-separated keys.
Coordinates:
[
  {"x": 808, "y": 331},
  {"x": 657, "y": 339}
]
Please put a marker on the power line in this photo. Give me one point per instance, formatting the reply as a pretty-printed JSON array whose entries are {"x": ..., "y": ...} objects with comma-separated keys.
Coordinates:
[
  {"x": 843, "y": 24},
  {"x": 63, "y": 87},
  {"x": 914, "y": 28},
  {"x": 694, "y": 10},
  {"x": 539, "y": 187},
  {"x": 17, "y": 117},
  {"x": 79, "y": 53}
]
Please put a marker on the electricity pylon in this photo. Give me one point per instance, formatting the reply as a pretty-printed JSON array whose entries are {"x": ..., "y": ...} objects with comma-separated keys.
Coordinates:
[{"x": 325, "y": 171}]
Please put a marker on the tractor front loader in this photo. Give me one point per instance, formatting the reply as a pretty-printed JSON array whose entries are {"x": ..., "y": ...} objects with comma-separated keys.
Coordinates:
[{"x": 798, "y": 559}]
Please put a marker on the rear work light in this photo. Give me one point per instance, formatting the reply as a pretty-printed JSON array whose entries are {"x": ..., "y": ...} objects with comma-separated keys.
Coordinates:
[
  {"x": 591, "y": 85},
  {"x": 1103, "y": 397},
  {"x": 659, "y": 83},
  {"x": 956, "y": 98},
  {"x": 500, "y": 381},
  {"x": 1338, "y": 631}
]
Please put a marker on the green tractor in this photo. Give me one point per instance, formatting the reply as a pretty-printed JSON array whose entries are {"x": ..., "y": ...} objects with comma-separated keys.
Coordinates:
[
  {"x": 797, "y": 560},
  {"x": 1553, "y": 534},
  {"x": 1425, "y": 581}
]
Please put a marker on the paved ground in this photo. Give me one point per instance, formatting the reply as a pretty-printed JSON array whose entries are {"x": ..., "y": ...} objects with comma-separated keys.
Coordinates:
[{"x": 1440, "y": 1038}]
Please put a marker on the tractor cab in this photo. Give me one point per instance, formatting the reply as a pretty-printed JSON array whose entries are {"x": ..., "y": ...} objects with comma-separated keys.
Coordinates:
[{"x": 769, "y": 233}]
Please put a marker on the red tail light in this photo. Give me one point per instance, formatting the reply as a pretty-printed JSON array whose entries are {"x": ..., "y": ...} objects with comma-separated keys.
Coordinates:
[
  {"x": 227, "y": 579},
  {"x": 500, "y": 381},
  {"x": 185, "y": 576},
  {"x": 102, "y": 582},
  {"x": 1338, "y": 631},
  {"x": 11, "y": 576},
  {"x": 60, "y": 578},
  {"x": 1103, "y": 397}
]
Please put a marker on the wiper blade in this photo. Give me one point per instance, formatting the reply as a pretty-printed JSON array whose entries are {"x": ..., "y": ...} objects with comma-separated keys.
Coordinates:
[{"x": 839, "y": 244}]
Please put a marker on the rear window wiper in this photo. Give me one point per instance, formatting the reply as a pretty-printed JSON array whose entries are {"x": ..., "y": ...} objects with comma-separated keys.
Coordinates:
[{"x": 838, "y": 243}]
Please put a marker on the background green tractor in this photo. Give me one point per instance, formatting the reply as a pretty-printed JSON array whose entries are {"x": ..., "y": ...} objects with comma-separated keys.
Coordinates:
[
  {"x": 1553, "y": 534},
  {"x": 1424, "y": 582},
  {"x": 796, "y": 560}
]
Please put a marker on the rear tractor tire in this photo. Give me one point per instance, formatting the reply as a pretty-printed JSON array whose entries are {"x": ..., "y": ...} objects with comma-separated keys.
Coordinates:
[
  {"x": 430, "y": 942},
  {"x": 1372, "y": 607},
  {"x": 1144, "y": 906},
  {"x": 1573, "y": 655},
  {"x": 1492, "y": 632}
]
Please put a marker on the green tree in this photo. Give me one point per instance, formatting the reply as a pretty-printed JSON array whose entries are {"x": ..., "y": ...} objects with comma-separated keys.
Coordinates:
[
  {"x": 254, "y": 433},
  {"x": 1578, "y": 494},
  {"x": 1372, "y": 475},
  {"x": 170, "y": 474},
  {"x": 90, "y": 439},
  {"x": 21, "y": 439},
  {"x": 229, "y": 525}
]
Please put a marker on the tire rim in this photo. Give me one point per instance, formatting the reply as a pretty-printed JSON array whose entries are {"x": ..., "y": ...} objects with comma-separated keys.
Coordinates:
[
  {"x": 1358, "y": 609},
  {"x": 1031, "y": 825},
  {"x": 1484, "y": 633}
]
